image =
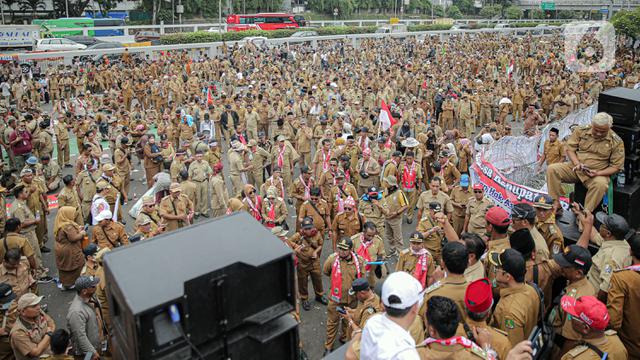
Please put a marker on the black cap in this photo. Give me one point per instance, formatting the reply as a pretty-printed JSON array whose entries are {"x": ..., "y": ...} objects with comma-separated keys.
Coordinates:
[
  {"x": 124, "y": 140},
  {"x": 616, "y": 224},
  {"x": 359, "y": 284},
  {"x": 372, "y": 189},
  {"x": 6, "y": 294},
  {"x": 522, "y": 241},
  {"x": 345, "y": 244},
  {"x": 90, "y": 250},
  {"x": 574, "y": 256},
  {"x": 397, "y": 153},
  {"x": 307, "y": 223},
  {"x": 435, "y": 206},
  {"x": 305, "y": 169},
  {"x": 416, "y": 237},
  {"x": 510, "y": 260},
  {"x": 523, "y": 211}
]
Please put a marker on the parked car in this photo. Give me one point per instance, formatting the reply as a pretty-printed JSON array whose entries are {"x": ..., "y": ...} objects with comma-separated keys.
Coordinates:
[
  {"x": 215, "y": 30},
  {"x": 58, "y": 44},
  {"x": 143, "y": 36},
  {"x": 299, "y": 34},
  {"x": 503, "y": 26},
  {"x": 102, "y": 46},
  {"x": 84, "y": 40}
]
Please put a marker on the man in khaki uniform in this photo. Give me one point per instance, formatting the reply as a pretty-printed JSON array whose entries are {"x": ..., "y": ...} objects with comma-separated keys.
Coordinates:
[
  {"x": 274, "y": 210},
  {"x": 259, "y": 159},
  {"x": 112, "y": 186},
  {"x": 343, "y": 267},
  {"x": 474, "y": 220},
  {"x": 304, "y": 137},
  {"x": 340, "y": 192},
  {"x": 389, "y": 167},
  {"x": 14, "y": 240},
  {"x": 369, "y": 304},
  {"x": 237, "y": 168},
  {"x": 498, "y": 222},
  {"x": 416, "y": 260},
  {"x": 369, "y": 245},
  {"x": 30, "y": 335},
  {"x": 252, "y": 118},
  {"x": 478, "y": 300},
  {"x": 434, "y": 194},
  {"x": 553, "y": 152},
  {"x": 176, "y": 209},
  {"x": 122, "y": 162},
  {"x": 454, "y": 285},
  {"x": 396, "y": 204},
  {"x": 219, "y": 192},
  {"x": 590, "y": 319},
  {"x": 546, "y": 223},
  {"x": 62, "y": 142},
  {"x": 318, "y": 210},
  {"x": 373, "y": 208},
  {"x": 614, "y": 252},
  {"x": 108, "y": 233},
  {"x": 199, "y": 172},
  {"x": 595, "y": 153},
  {"x": 432, "y": 231},
  {"x": 283, "y": 157},
  {"x": 149, "y": 215},
  {"x": 307, "y": 246},
  {"x": 37, "y": 203},
  {"x": 177, "y": 165},
  {"x": 410, "y": 177},
  {"x": 368, "y": 171},
  {"x": 623, "y": 300},
  {"x": 524, "y": 217},
  {"x": 346, "y": 223},
  {"x": 460, "y": 196},
  {"x": 518, "y": 309},
  {"x": 301, "y": 190},
  {"x": 51, "y": 173}
]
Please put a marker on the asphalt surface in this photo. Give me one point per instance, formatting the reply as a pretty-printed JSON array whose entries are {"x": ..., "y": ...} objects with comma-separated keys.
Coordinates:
[{"x": 313, "y": 327}]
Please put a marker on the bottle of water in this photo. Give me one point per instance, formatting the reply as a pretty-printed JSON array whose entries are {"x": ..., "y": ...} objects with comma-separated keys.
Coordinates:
[{"x": 621, "y": 178}]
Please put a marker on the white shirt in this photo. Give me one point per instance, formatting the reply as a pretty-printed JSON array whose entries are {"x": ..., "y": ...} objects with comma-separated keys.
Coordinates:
[{"x": 383, "y": 339}]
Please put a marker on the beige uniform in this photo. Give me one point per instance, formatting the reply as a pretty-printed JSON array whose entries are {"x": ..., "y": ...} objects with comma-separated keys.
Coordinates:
[
  {"x": 374, "y": 250},
  {"x": 453, "y": 286},
  {"x": 180, "y": 206},
  {"x": 20, "y": 210},
  {"x": 476, "y": 211},
  {"x": 427, "y": 196},
  {"x": 517, "y": 312},
  {"x": 462, "y": 197},
  {"x": 219, "y": 196},
  {"x": 613, "y": 255},
  {"x": 560, "y": 322},
  {"x": 394, "y": 202},
  {"x": 610, "y": 343},
  {"x": 623, "y": 302},
  {"x": 199, "y": 172}
]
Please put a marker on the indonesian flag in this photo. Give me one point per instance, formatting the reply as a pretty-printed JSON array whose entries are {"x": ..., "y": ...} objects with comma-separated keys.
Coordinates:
[
  {"x": 509, "y": 69},
  {"x": 386, "y": 120},
  {"x": 209, "y": 96},
  {"x": 424, "y": 85}
]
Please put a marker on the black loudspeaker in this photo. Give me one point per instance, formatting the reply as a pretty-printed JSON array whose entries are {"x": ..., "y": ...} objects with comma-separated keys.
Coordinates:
[
  {"x": 630, "y": 135},
  {"x": 222, "y": 289},
  {"x": 623, "y": 104},
  {"x": 631, "y": 167},
  {"x": 625, "y": 200}
]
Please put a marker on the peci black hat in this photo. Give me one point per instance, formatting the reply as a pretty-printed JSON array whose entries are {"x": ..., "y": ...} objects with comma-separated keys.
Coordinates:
[
  {"x": 359, "y": 284},
  {"x": 574, "y": 256}
]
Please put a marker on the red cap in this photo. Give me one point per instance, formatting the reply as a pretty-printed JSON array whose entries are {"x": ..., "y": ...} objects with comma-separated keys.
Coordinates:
[
  {"x": 478, "y": 186},
  {"x": 587, "y": 309},
  {"x": 478, "y": 297},
  {"x": 498, "y": 216}
]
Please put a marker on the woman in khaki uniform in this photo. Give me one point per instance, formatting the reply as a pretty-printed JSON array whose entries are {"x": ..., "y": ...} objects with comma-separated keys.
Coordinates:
[{"x": 68, "y": 236}]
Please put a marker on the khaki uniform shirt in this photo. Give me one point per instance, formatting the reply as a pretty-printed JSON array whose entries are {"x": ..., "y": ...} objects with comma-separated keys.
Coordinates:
[
  {"x": 112, "y": 235},
  {"x": 20, "y": 278},
  {"x": 432, "y": 241},
  {"x": 499, "y": 339},
  {"x": 494, "y": 245},
  {"x": 610, "y": 343},
  {"x": 20, "y": 210},
  {"x": 394, "y": 202},
  {"x": 180, "y": 206},
  {"x": 613, "y": 255},
  {"x": 407, "y": 262},
  {"x": 366, "y": 309},
  {"x": 517, "y": 312},
  {"x": 596, "y": 154},
  {"x": 111, "y": 191},
  {"x": 219, "y": 193},
  {"x": 551, "y": 234},
  {"x": 199, "y": 171},
  {"x": 69, "y": 197},
  {"x": 153, "y": 216},
  {"x": 437, "y": 351},
  {"x": 349, "y": 273},
  {"x": 427, "y": 196},
  {"x": 623, "y": 302},
  {"x": 375, "y": 250},
  {"x": 453, "y": 286},
  {"x": 26, "y": 336},
  {"x": 474, "y": 272},
  {"x": 347, "y": 190},
  {"x": 16, "y": 241},
  {"x": 346, "y": 224},
  {"x": 553, "y": 152},
  {"x": 319, "y": 217},
  {"x": 326, "y": 183},
  {"x": 310, "y": 245},
  {"x": 542, "y": 250},
  {"x": 458, "y": 195},
  {"x": 372, "y": 168},
  {"x": 476, "y": 211},
  {"x": 562, "y": 325},
  {"x": 279, "y": 212}
]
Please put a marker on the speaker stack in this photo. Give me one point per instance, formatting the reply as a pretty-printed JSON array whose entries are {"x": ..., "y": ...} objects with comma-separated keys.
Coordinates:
[
  {"x": 222, "y": 289},
  {"x": 623, "y": 104}
]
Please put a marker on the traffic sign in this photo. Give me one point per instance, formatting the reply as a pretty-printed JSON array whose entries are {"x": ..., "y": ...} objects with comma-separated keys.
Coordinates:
[{"x": 548, "y": 5}]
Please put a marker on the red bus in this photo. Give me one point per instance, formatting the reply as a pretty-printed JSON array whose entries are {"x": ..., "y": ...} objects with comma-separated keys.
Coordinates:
[{"x": 262, "y": 21}]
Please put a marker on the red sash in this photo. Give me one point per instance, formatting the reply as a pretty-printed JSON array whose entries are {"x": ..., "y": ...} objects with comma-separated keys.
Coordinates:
[
  {"x": 635, "y": 268},
  {"x": 281, "y": 157},
  {"x": 420, "y": 272},
  {"x": 242, "y": 140},
  {"x": 363, "y": 251},
  {"x": 336, "y": 277},
  {"x": 458, "y": 340},
  {"x": 307, "y": 188},
  {"x": 325, "y": 160},
  {"x": 254, "y": 208},
  {"x": 270, "y": 223},
  {"x": 409, "y": 176}
]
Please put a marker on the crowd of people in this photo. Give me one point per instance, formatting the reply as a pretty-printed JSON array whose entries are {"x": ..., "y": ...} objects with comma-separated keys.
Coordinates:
[{"x": 292, "y": 136}]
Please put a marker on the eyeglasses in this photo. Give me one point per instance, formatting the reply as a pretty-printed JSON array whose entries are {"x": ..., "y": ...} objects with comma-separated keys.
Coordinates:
[
  {"x": 348, "y": 209},
  {"x": 252, "y": 192},
  {"x": 477, "y": 191}
]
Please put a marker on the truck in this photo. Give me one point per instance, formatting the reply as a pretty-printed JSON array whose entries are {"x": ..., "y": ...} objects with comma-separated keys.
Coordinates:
[{"x": 19, "y": 36}]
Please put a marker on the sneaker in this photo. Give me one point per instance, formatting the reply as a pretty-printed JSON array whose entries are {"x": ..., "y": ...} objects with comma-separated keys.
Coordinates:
[
  {"x": 45, "y": 279},
  {"x": 305, "y": 305},
  {"x": 322, "y": 300},
  {"x": 392, "y": 254},
  {"x": 45, "y": 249},
  {"x": 326, "y": 352}
]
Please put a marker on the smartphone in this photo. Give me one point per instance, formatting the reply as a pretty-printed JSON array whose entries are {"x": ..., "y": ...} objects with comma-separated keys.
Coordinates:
[
  {"x": 341, "y": 310},
  {"x": 88, "y": 356},
  {"x": 537, "y": 342}
]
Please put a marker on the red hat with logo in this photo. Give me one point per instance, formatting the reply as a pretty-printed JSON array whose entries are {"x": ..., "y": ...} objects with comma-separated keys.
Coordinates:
[
  {"x": 478, "y": 297},
  {"x": 478, "y": 186},
  {"x": 498, "y": 216},
  {"x": 587, "y": 309}
]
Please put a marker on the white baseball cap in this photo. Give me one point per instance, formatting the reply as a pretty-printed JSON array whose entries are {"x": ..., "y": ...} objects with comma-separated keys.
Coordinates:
[
  {"x": 104, "y": 215},
  {"x": 403, "y": 286}
]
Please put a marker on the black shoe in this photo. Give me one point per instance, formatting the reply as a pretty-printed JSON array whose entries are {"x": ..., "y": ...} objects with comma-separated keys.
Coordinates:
[
  {"x": 205, "y": 215},
  {"x": 409, "y": 220},
  {"x": 68, "y": 165},
  {"x": 322, "y": 300},
  {"x": 303, "y": 355},
  {"x": 45, "y": 249},
  {"x": 290, "y": 201},
  {"x": 342, "y": 341},
  {"x": 326, "y": 352},
  {"x": 45, "y": 279},
  {"x": 123, "y": 222},
  {"x": 305, "y": 305}
]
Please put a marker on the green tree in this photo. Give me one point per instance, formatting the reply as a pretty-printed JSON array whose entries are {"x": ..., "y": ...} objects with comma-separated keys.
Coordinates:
[
  {"x": 107, "y": 5},
  {"x": 627, "y": 23},
  {"x": 454, "y": 12},
  {"x": 513, "y": 12},
  {"x": 76, "y": 8},
  {"x": 566, "y": 14},
  {"x": 32, "y": 6},
  {"x": 490, "y": 11},
  {"x": 465, "y": 6},
  {"x": 537, "y": 14},
  {"x": 9, "y": 4}
]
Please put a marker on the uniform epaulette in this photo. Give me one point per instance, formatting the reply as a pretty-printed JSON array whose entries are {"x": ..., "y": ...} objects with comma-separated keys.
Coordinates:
[
  {"x": 371, "y": 310},
  {"x": 405, "y": 251},
  {"x": 610, "y": 332},
  {"x": 577, "y": 350},
  {"x": 477, "y": 350},
  {"x": 433, "y": 287},
  {"x": 500, "y": 331},
  {"x": 616, "y": 137}
]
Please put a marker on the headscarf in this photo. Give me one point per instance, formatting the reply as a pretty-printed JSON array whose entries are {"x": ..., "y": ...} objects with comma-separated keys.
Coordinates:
[{"x": 65, "y": 216}]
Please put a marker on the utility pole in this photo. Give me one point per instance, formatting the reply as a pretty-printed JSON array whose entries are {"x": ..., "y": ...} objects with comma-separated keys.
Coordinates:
[
  {"x": 66, "y": 7},
  {"x": 220, "y": 15}
]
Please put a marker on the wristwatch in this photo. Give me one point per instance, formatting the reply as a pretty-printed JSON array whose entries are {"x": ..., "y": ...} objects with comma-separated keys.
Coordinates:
[{"x": 50, "y": 333}]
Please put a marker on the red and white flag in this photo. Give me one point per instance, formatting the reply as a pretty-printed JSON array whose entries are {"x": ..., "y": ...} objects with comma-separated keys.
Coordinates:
[
  {"x": 385, "y": 118},
  {"x": 509, "y": 69},
  {"x": 209, "y": 96}
]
